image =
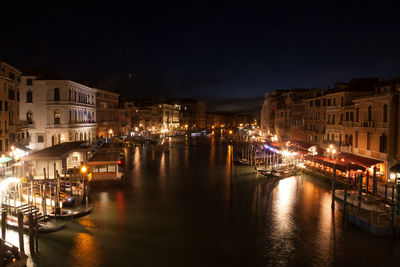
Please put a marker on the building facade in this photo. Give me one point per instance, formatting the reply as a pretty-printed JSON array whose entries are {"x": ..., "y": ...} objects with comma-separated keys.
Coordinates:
[
  {"x": 10, "y": 126},
  {"x": 107, "y": 112},
  {"x": 359, "y": 118},
  {"x": 57, "y": 111}
]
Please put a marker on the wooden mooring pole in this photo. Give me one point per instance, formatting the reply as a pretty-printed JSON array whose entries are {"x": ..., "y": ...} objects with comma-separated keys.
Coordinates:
[
  {"x": 333, "y": 187},
  {"x": 21, "y": 231},
  {"x": 31, "y": 233},
  {"x": 3, "y": 224}
]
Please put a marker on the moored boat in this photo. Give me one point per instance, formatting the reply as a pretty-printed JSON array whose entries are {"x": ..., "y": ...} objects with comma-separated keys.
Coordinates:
[
  {"x": 106, "y": 167},
  {"x": 11, "y": 256}
]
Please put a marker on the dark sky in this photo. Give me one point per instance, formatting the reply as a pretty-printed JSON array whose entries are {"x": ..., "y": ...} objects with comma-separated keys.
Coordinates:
[{"x": 200, "y": 49}]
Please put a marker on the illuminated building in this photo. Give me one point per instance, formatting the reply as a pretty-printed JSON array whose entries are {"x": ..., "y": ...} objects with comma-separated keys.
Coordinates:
[{"x": 57, "y": 110}]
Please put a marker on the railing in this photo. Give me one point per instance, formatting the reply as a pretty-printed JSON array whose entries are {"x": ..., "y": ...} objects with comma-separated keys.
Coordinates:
[
  {"x": 345, "y": 148},
  {"x": 368, "y": 124},
  {"x": 382, "y": 124},
  {"x": 66, "y": 102},
  {"x": 71, "y": 124},
  {"x": 348, "y": 123}
]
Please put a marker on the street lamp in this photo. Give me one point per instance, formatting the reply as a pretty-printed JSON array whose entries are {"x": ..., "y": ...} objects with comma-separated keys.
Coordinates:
[
  {"x": 83, "y": 171},
  {"x": 331, "y": 151}
]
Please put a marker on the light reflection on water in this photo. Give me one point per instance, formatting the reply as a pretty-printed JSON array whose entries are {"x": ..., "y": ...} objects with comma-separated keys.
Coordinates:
[{"x": 192, "y": 208}]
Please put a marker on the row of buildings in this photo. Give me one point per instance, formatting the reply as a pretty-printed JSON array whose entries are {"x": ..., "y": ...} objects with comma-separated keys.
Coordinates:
[
  {"x": 360, "y": 118},
  {"x": 40, "y": 109}
]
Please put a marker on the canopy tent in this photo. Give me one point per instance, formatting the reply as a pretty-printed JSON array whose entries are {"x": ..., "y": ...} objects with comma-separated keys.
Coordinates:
[{"x": 359, "y": 160}]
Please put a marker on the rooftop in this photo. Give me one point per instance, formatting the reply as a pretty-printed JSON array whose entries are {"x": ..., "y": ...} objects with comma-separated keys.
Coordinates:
[{"x": 59, "y": 151}]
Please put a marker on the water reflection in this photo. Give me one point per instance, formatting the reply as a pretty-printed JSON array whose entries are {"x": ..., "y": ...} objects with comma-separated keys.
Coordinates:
[
  {"x": 85, "y": 251},
  {"x": 192, "y": 208}
]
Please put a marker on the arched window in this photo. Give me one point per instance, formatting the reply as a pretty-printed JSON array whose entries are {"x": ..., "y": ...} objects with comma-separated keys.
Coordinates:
[
  {"x": 56, "y": 94},
  {"x": 57, "y": 117},
  {"x": 29, "y": 117},
  {"x": 29, "y": 97},
  {"x": 357, "y": 114},
  {"x": 351, "y": 140},
  {"x": 369, "y": 113},
  {"x": 385, "y": 113}
]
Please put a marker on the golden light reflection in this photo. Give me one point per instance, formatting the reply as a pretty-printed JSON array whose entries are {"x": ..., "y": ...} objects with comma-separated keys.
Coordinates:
[
  {"x": 85, "y": 251},
  {"x": 212, "y": 151},
  {"x": 87, "y": 222},
  {"x": 284, "y": 202}
]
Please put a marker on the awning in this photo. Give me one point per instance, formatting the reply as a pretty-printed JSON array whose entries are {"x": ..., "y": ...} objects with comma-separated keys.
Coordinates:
[
  {"x": 395, "y": 168},
  {"x": 341, "y": 166},
  {"x": 359, "y": 160},
  {"x": 5, "y": 160}
]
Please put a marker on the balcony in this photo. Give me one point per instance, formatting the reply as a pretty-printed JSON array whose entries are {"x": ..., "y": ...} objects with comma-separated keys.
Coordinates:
[
  {"x": 382, "y": 124},
  {"x": 63, "y": 102},
  {"x": 367, "y": 124},
  {"x": 348, "y": 148},
  {"x": 71, "y": 125},
  {"x": 348, "y": 123}
]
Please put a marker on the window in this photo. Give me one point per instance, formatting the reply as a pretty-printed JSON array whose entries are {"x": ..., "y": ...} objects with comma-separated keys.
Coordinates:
[
  {"x": 29, "y": 117},
  {"x": 385, "y": 113},
  {"x": 29, "y": 97},
  {"x": 56, "y": 94},
  {"x": 368, "y": 141},
  {"x": 333, "y": 118},
  {"x": 329, "y": 102},
  {"x": 347, "y": 116},
  {"x": 334, "y": 101},
  {"x": 40, "y": 139},
  {"x": 1, "y": 105},
  {"x": 29, "y": 81},
  {"x": 383, "y": 143},
  {"x": 311, "y": 103},
  {"x": 11, "y": 94},
  {"x": 324, "y": 102},
  {"x": 369, "y": 113},
  {"x": 57, "y": 117},
  {"x": 341, "y": 118},
  {"x": 69, "y": 94},
  {"x": 357, "y": 114},
  {"x": 1, "y": 145},
  {"x": 6, "y": 147},
  {"x": 5, "y": 106},
  {"x": 329, "y": 118},
  {"x": 341, "y": 101},
  {"x": 351, "y": 116}
]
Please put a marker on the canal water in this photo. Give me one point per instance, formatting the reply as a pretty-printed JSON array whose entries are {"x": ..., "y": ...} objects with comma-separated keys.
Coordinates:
[{"x": 191, "y": 207}]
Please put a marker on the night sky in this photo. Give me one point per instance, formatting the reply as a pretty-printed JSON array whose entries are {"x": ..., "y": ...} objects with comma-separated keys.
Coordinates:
[{"x": 216, "y": 52}]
